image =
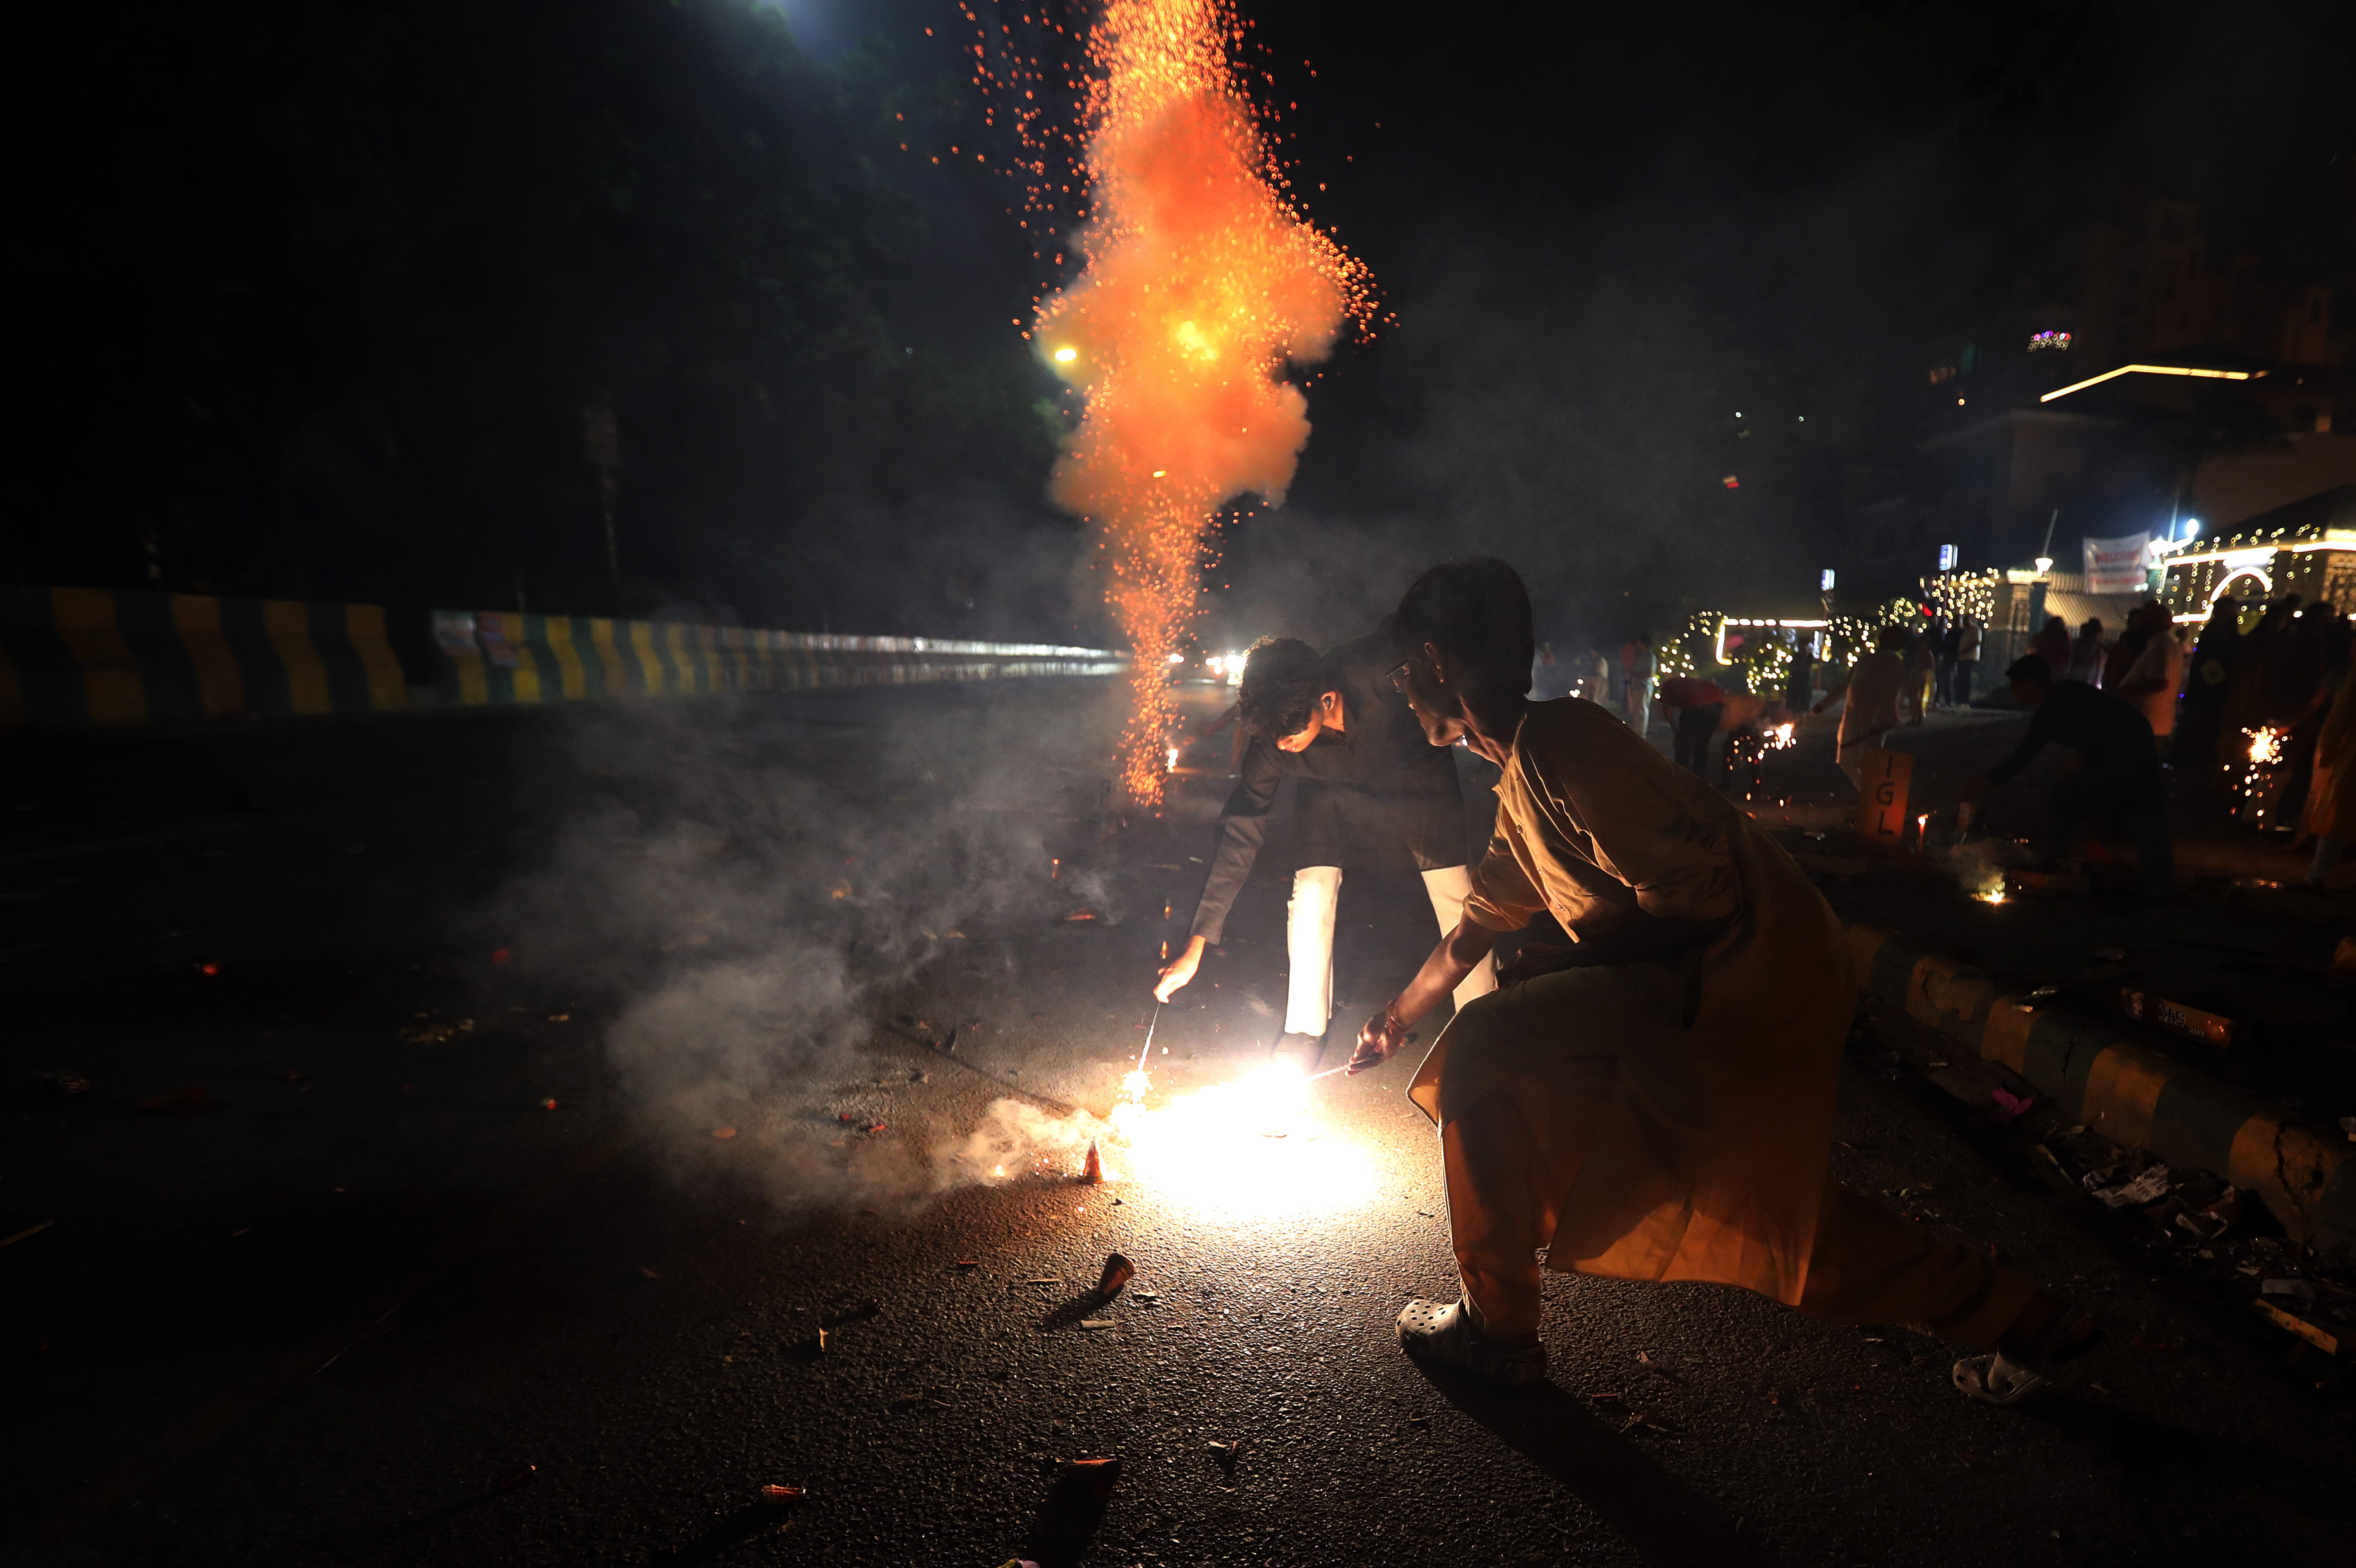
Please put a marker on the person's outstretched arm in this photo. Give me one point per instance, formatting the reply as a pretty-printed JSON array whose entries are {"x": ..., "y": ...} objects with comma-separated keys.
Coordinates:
[
  {"x": 1243, "y": 827},
  {"x": 1457, "y": 955}
]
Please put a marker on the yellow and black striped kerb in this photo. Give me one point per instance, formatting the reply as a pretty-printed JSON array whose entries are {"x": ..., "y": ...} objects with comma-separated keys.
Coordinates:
[
  {"x": 2116, "y": 1077},
  {"x": 79, "y": 657},
  {"x": 89, "y": 656},
  {"x": 497, "y": 656}
]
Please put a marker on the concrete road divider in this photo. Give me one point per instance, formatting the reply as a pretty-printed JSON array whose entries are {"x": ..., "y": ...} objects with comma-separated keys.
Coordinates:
[
  {"x": 91, "y": 657},
  {"x": 77, "y": 658},
  {"x": 2112, "y": 1075},
  {"x": 498, "y": 656}
]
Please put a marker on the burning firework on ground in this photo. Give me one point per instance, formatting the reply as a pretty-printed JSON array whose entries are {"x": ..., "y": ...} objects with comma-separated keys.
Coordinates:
[
  {"x": 1202, "y": 283},
  {"x": 1252, "y": 1148}
]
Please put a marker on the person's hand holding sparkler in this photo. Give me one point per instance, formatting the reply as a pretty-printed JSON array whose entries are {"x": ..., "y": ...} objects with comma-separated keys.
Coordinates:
[
  {"x": 1179, "y": 969},
  {"x": 1378, "y": 1039},
  {"x": 1450, "y": 963}
]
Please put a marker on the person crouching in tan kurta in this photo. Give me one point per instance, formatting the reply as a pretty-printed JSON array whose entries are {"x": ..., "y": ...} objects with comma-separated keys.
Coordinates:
[{"x": 1656, "y": 1102}]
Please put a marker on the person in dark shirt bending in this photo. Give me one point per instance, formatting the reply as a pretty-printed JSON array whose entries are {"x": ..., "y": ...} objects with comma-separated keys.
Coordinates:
[
  {"x": 2115, "y": 783},
  {"x": 1367, "y": 778}
]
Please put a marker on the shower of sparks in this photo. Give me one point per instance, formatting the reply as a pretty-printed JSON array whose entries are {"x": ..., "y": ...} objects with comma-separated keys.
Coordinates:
[
  {"x": 2266, "y": 744},
  {"x": 1200, "y": 284},
  {"x": 1251, "y": 1149}
]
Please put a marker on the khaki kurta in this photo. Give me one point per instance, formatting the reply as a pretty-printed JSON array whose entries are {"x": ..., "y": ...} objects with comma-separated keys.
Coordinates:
[
  {"x": 2332, "y": 796},
  {"x": 1708, "y": 1161},
  {"x": 1870, "y": 706},
  {"x": 1666, "y": 1119}
]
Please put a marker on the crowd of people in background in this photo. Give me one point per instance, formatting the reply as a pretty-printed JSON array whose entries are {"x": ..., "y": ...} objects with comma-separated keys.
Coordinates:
[{"x": 2276, "y": 670}]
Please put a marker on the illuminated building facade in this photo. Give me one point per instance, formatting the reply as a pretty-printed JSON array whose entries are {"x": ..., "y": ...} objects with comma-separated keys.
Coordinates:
[{"x": 2308, "y": 548}]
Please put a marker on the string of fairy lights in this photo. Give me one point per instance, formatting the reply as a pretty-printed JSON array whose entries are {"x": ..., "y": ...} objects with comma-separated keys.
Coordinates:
[{"x": 1763, "y": 662}]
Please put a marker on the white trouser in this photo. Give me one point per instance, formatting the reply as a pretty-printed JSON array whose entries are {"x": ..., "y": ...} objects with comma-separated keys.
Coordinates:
[
  {"x": 1308, "y": 940},
  {"x": 1448, "y": 886}
]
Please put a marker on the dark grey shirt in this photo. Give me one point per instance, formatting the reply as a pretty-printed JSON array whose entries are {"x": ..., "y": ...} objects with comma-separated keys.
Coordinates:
[
  {"x": 1378, "y": 782},
  {"x": 2112, "y": 739}
]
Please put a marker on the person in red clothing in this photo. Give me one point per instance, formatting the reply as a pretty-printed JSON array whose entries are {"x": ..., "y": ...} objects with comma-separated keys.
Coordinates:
[{"x": 1694, "y": 708}]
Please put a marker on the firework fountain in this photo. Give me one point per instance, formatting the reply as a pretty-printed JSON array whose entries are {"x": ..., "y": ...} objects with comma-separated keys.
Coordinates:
[{"x": 1201, "y": 284}]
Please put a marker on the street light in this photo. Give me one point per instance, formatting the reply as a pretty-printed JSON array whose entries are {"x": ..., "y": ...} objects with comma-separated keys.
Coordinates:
[{"x": 2044, "y": 564}]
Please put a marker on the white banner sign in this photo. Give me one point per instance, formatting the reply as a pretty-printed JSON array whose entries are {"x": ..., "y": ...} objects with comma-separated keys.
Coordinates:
[{"x": 2118, "y": 565}]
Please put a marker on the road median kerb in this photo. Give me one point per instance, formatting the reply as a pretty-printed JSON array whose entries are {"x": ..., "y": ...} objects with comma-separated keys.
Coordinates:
[{"x": 2115, "y": 1076}]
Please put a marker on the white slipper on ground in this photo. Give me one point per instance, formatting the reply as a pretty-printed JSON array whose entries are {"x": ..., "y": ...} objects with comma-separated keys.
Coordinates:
[
  {"x": 1432, "y": 1332},
  {"x": 1999, "y": 1378},
  {"x": 1992, "y": 1380}
]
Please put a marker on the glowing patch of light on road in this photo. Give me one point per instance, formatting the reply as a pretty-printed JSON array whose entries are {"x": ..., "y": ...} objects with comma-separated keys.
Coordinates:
[{"x": 1255, "y": 1148}]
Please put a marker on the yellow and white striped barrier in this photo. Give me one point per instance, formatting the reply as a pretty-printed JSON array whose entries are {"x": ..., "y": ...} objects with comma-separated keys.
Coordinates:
[{"x": 97, "y": 657}]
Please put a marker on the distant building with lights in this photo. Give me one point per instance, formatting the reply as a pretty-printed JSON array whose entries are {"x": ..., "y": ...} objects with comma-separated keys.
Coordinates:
[
  {"x": 2149, "y": 387},
  {"x": 2308, "y": 548}
]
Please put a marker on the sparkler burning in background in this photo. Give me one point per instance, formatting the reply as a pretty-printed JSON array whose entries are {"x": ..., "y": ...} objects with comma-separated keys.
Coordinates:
[
  {"x": 1202, "y": 284},
  {"x": 2256, "y": 791}
]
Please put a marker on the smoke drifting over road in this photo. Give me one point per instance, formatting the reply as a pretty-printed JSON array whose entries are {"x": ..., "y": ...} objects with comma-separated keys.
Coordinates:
[{"x": 755, "y": 925}]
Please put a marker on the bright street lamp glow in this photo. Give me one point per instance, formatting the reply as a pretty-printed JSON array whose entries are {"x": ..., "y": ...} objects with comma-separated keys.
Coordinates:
[{"x": 1066, "y": 356}]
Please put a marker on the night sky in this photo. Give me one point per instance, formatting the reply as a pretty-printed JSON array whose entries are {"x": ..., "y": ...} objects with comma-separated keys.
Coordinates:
[{"x": 315, "y": 304}]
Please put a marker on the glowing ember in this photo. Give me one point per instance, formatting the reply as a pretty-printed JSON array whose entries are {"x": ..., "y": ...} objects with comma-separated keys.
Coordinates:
[
  {"x": 1202, "y": 283},
  {"x": 1253, "y": 1148},
  {"x": 1779, "y": 736},
  {"x": 2266, "y": 744}
]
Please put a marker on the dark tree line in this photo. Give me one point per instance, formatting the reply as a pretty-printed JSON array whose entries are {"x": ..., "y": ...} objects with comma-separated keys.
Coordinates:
[{"x": 317, "y": 300}]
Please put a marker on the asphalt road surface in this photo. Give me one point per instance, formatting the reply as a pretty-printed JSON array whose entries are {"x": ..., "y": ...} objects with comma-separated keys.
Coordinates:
[{"x": 453, "y": 1135}]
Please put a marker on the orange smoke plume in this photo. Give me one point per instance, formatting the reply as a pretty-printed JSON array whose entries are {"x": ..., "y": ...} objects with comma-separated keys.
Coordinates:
[{"x": 1202, "y": 284}]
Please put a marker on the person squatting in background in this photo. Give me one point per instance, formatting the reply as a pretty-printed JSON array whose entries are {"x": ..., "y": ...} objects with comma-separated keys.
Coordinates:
[
  {"x": 2115, "y": 783},
  {"x": 1366, "y": 782},
  {"x": 1655, "y": 1101},
  {"x": 1693, "y": 707}
]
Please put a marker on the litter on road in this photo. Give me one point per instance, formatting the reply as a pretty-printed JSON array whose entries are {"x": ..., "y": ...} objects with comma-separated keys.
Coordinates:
[
  {"x": 1099, "y": 1476},
  {"x": 2325, "y": 1342},
  {"x": 2148, "y": 1188},
  {"x": 2011, "y": 1107}
]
